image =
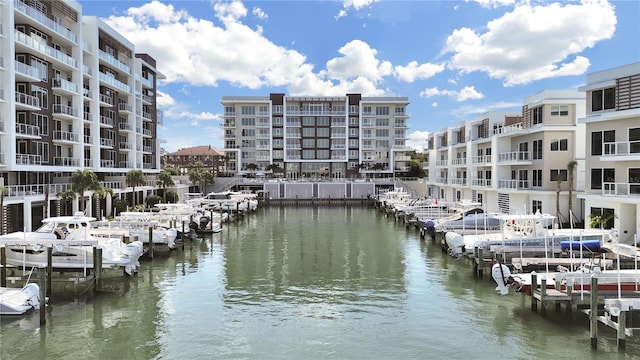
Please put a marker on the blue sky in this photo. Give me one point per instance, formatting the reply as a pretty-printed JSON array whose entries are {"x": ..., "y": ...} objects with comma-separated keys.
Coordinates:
[{"x": 453, "y": 59}]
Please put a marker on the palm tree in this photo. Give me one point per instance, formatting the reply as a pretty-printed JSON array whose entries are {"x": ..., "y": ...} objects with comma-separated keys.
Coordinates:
[
  {"x": 3, "y": 189},
  {"x": 559, "y": 180},
  {"x": 571, "y": 167},
  {"x": 200, "y": 177},
  {"x": 66, "y": 196},
  {"x": 102, "y": 193},
  {"x": 135, "y": 177},
  {"x": 163, "y": 180},
  {"x": 83, "y": 180}
]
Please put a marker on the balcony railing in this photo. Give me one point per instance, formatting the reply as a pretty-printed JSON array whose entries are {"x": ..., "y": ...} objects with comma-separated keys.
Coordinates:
[
  {"x": 65, "y": 161},
  {"x": 458, "y": 181},
  {"x": 106, "y": 142},
  {"x": 44, "y": 20},
  {"x": 513, "y": 184},
  {"x": 483, "y": 159},
  {"x": 444, "y": 162},
  {"x": 28, "y": 70},
  {"x": 106, "y": 120},
  {"x": 621, "y": 189},
  {"x": 113, "y": 61},
  {"x": 65, "y": 136},
  {"x": 28, "y": 159},
  {"x": 64, "y": 84},
  {"x": 459, "y": 161},
  {"x": 513, "y": 156},
  {"x": 41, "y": 46},
  {"x": 125, "y": 107},
  {"x": 114, "y": 82},
  {"x": 27, "y": 129},
  {"x": 106, "y": 99},
  {"x": 27, "y": 99},
  {"x": 107, "y": 163},
  {"x": 65, "y": 110},
  {"x": 481, "y": 182},
  {"x": 621, "y": 148}
]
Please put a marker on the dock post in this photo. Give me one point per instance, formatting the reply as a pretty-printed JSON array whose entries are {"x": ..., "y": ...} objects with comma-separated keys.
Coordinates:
[
  {"x": 211, "y": 219},
  {"x": 480, "y": 260},
  {"x": 534, "y": 288},
  {"x": 570, "y": 294},
  {"x": 183, "y": 235},
  {"x": 622, "y": 326},
  {"x": 543, "y": 294},
  {"x": 43, "y": 300},
  {"x": 3, "y": 269},
  {"x": 593, "y": 312},
  {"x": 151, "y": 242},
  {"x": 95, "y": 270},
  {"x": 49, "y": 269}
]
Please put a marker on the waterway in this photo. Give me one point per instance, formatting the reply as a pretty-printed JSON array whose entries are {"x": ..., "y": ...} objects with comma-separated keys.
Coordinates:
[{"x": 304, "y": 283}]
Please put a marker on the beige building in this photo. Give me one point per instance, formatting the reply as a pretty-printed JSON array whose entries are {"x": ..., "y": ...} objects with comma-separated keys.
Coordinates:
[
  {"x": 612, "y": 121},
  {"x": 511, "y": 161}
]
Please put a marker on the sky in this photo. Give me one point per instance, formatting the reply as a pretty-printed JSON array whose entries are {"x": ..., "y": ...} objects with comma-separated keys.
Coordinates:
[{"x": 454, "y": 60}]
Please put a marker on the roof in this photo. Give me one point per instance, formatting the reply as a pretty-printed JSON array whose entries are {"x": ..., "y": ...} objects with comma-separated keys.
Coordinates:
[{"x": 198, "y": 150}]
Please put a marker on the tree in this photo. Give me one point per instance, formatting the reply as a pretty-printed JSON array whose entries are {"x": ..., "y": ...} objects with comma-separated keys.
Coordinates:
[
  {"x": 164, "y": 180},
  {"x": 571, "y": 167},
  {"x": 153, "y": 200},
  {"x": 415, "y": 169},
  {"x": 66, "y": 196},
  {"x": 135, "y": 178},
  {"x": 102, "y": 193},
  {"x": 200, "y": 177},
  {"x": 251, "y": 167},
  {"x": 600, "y": 221},
  {"x": 82, "y": 180}
]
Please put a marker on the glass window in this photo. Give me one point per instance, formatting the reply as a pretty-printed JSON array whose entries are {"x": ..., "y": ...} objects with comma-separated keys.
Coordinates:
[
  {"x": 559, "y": 145},
  {"x": 558, "y": 174}
]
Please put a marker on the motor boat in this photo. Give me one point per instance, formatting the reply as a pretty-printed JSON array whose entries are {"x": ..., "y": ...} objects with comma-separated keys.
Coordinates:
[
  {"x": 14, "y": 301},
  {"x": 72, "y": 246}
]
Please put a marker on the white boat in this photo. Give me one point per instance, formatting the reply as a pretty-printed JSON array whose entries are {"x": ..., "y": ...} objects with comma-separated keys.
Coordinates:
[
  {"x": 72, "y": 246},
  {"x": 228, "y": 201},
  {"x": 136, "y": 225},
  {"x": 14, "y": 301}
]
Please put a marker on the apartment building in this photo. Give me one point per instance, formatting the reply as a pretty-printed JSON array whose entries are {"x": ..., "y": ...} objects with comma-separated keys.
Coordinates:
[
  {"x": 73, "y": 95},
  {"x": 309, "y": 137},
  {"x": 183, "y": 159},
  {"x": 512, "y": 161},
  {"x": 612, "y": 122}
]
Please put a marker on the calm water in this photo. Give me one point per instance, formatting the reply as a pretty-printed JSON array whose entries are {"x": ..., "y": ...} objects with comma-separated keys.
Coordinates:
[{"x": 304, "y": 283}]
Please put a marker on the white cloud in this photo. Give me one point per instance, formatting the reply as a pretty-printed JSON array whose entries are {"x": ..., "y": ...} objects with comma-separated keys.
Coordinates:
[
  {"x": 417, "y": 140},
  {"x": 259, "y": 13},
  {"x": 533, "y": 42},
  {"x": 359, "y": 60},
  {"x": 494, "y": 3},
  {"x": 434, "y": 104},
  {"x": 355, "y": 4},
  {"x": 467, "y": 93},
  {"x": 413, "y": 71}
]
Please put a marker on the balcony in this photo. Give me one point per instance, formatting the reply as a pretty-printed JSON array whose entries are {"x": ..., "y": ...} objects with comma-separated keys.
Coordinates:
[
  {"x": 514, "y": 158},
  {"x": 87, "y": 116},
  {"x": 114, "y": 82},
  {"x": 37, "y": 44},
  {"x": 621, "y": 150},
  {"x": 458, "y": 181},
  {"x": 513, "y": 184},
  {"x": 481, "y": 160},
  {"x": 483, "y": 183},
  {"x": 338, "y": 122},
  {"x": 126, "y": 164},
  {"x": 124, "y": 126},
  {"x": 87, "y": 70},
  {"x": 28, "y": 73},
  {"x": 147, "y": 116},
  {"x": 107, "y": 163},
  {"x": 147, "y": 132},
  {"x": 64, "y": 86},
  {"x": 125, "y": 107},
  {"x": 106, "y": 99},
  {"x": 147, "y": 99},
  {"x": 111, "y": 60},
  {"x": 28, "y": 159},
  {"x": 65, "y": 111},
  {"x": 38, "y": 16},
  {"x": 459, "y": 161},
  {"x": 443, "y": 162},
  {"x": 293, "y": 123},
  {"x": 66, "y": 161},
  {"x": 621, "y": 189},
  {"x": 106, "y": 121},
  {"x": 27, "y": 131},
  {"x": 27, "y": 102},
  {"x": 125, "y": 146},
  {"x": 65, "y": 136},
  {"x": 441, "y": 180},
  {"x": 106, "y": 142},
  {"x": 88, "y": 140}
]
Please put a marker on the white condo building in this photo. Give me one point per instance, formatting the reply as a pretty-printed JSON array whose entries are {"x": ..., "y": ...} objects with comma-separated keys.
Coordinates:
[
  {"x": 612, "y": 121},
  {"x": 511, "y": 161},
  {"x": 73, "y": 95},
  {"x": 316, "y": 136}
]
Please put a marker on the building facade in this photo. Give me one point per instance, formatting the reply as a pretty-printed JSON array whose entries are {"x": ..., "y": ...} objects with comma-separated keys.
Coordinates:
[
  {"x": 316, "y": 137},
  {"x": 514, "y": 161},
  {"x": 183, "y": 159},
  {"x": 73, "y": 95},
  {"x": 612, "y": 123}
]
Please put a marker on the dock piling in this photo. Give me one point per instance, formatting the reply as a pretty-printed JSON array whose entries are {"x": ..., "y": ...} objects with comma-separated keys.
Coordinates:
[
  {"x": 43, "y": 300},
  {"x": 49, "y": 270},
  {"x": 534, "y": 288},
  {"x": 151, "y": 242},
  {"x": 593, "y": 312},
  {"x": 3, "y": 269}
]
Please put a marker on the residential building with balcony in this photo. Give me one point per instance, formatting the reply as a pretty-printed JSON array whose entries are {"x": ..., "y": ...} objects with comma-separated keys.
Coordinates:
[
  {"x": 612, "y": 122},
  {"x": 317, "y": 136},
  {"x": 511, "y": 161},
  {"x": 73, "y": 95}
]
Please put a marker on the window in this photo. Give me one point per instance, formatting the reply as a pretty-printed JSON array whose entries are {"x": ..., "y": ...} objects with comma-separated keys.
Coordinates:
[
  {"x": 382, "y": 122},
  {"x": 248, "y": 132},
  {"x": 323, "y": 143},
  {"x": 600, "y": 137},
  {"x": 309, "y": 143},
  {"x": 382, "y": 133},
  {"x": 366, "y": 110},
  {"x": 634, "y": 140},
  {"x": 559, "y": 110},
  {"x": 559, "y": 145},
  {"x": 308, "y": 154},
  {"x": 248, "y": 110},
  {"x": 353, "y": 131},
  {"x": 634, "y": 181},
  {"x": 308, "y": 121},
  {"x": 537, "y": 178},
  {"x": 536, "y": 115},
  {"x": 248, "y": 122},
  {"x": 322, "y": 121},
  {"x": 308, "y": 132},
  {"x": 382, "y": 110},
  {"x": 558, "y": 174},
  {"x": 537, "y": 149},
  {"x": 323, "y": 154},
  {"x": 382, "y": 143},
  {"x": 606, "y": 215},
  {"x": 604, "y": 99},
  {"x": 536, "y": 205}
]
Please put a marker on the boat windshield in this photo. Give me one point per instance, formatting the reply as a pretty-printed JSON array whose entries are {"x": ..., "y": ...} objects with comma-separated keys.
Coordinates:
[{"x": 46, "y": 228}]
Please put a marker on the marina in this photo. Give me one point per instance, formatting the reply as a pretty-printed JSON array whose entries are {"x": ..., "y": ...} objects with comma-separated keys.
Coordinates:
[{"x": 304, "y": 282}]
